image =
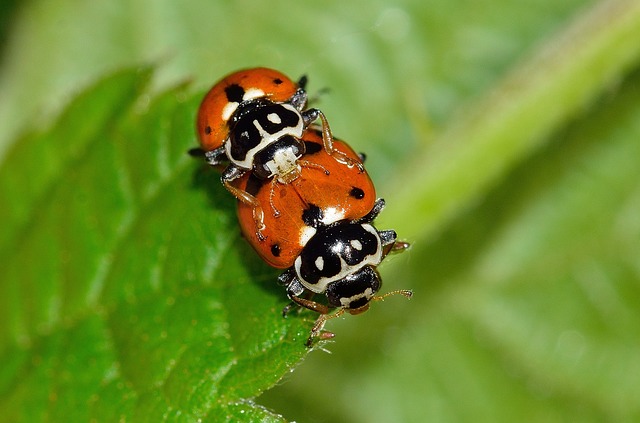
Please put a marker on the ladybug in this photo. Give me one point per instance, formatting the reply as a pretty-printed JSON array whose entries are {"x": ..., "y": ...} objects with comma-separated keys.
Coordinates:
[
  {"x": 321, "y": 232},
  {"x": 340, "y": 261},
  {"x": 325, "y": 192},
  {"x": 253, "y": 120},
  {"x": 238, "y": 88}
]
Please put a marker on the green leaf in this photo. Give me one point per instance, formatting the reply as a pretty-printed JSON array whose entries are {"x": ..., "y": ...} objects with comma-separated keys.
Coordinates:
[{"x": 125, "y": 291}]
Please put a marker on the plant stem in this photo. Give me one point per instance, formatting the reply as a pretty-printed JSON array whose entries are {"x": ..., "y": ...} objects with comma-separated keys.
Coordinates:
[{"x": 533, "y": 101}]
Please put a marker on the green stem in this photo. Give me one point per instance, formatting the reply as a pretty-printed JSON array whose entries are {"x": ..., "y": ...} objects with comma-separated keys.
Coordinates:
[{"x": 517, "y": 117}]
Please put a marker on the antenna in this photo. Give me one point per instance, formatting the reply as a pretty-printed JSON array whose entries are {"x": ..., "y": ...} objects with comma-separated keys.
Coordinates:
[{"x": 316, "y": 330}]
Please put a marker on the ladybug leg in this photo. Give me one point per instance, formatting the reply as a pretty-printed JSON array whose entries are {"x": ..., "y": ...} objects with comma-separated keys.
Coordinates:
[
  {"x": 213, "y": 157},
  {"x": 309, "y": 165},
  {"x": 399, "y": 246},
  {"x": 389, "y": 243},
  {"x": 378, "y": 206},
  {"x": 196, "y": 152},
  {"x": 302, "y": 92},
  {"x": 295, "y": 290},
  {"x": 229, "y": 175},
  {"x": 316, "y": 330},
  {"x": 311, "y": 305},
  {"x": 287, "y": 309},
  {"x": 299, "y": 98},
  {"x": 287, "y": 278},
  {"x": 388, "y": 237},
  {"x": 275, "y": 210},
  {"x": 302, "y": 82},
  {"x": 311, "y": 115}
]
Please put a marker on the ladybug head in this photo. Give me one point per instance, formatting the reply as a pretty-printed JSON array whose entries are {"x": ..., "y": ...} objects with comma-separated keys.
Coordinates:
[{"x": 354, "y": 292}]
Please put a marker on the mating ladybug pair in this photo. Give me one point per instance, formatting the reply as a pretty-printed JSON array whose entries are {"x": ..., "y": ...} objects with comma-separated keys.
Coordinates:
[{"x": 305, "y": 202}]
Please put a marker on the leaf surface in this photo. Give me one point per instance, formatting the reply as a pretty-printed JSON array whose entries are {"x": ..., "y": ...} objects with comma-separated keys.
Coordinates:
[{"x": 126, "y": 290}]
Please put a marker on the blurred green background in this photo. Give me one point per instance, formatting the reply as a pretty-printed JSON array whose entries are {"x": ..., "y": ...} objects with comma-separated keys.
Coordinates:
[{"x": 526, "y": 283}]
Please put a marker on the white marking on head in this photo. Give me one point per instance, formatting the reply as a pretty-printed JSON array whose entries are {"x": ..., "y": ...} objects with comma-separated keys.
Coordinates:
[
  {"x": 368, "y": 293},
  {"x": 283, "y": 163}
]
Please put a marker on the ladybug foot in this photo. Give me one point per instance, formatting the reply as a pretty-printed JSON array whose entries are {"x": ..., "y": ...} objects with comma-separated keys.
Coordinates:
[
  {"x": 317, "y": 331},
  {"x": 322, "y": 335},
  {"x": 287, "y": 309},
  {"x": 260, "y": 226},
  {"x": 349, "y": 162}
]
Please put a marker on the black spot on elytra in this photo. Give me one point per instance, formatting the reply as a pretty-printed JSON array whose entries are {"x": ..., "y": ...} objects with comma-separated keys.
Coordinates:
[
  {"x": 234, "y": 93},
  {"x": 356, "y": 193},
  {"x": 254, "y": 185},
  {"x": 275, "y": 250},
  {"x": 312, "y": 216},
  {"x": 312, "y": 147},
  {"x": 207, "y": 130},
  {"x": 277, "y": 81}
]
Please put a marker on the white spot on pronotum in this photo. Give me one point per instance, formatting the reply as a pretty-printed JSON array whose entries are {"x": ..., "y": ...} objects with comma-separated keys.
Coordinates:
[
  {"x": 252, "y": 93},
  {"x": 357, "y": 245},
  {"x": 228, "y": 110},
  {"x": 320, "y": 263},
  {"x": 332, "y": 214},
  {"x": 274, "y": 118},
  {"x": 306, "y": 234}
]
